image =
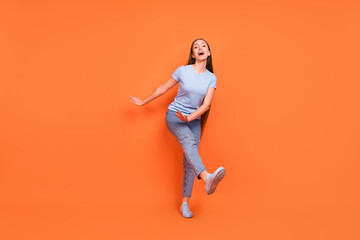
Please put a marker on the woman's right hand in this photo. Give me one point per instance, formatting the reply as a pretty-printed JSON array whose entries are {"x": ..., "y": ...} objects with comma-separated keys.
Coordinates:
[{"x": 136, "y": 101}]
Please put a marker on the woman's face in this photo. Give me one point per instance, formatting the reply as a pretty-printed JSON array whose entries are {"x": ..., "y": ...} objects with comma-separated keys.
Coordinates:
[{"x": 200, "y": 50}]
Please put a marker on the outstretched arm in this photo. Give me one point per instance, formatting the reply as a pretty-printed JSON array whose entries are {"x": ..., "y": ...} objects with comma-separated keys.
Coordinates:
[
  {"x": 201, "y": 110},
  {"x": 157, "y": 93}
]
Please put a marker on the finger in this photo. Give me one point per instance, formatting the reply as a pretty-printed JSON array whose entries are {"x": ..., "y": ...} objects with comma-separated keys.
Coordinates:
[{"x": 133, "y": 98}]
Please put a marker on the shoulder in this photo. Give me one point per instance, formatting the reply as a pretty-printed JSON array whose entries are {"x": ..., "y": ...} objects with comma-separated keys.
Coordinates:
[
  {"x": 212, "y": 75},
  {"x": 213, "y": 80},
  {"x": 178, "y": 73},
  {"x": 185, "y": 67},
  {"x": 180, "y": 68}
]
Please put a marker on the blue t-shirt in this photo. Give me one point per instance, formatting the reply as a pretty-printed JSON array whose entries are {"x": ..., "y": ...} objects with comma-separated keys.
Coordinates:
[{"x": 192, "y": 89}]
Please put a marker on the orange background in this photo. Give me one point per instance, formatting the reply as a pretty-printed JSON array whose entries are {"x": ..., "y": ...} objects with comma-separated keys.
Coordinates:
[{"x": 79, "y": 161}]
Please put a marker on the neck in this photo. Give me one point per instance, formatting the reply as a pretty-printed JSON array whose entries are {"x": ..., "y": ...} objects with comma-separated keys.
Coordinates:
[{"x": 200, "y": 66}]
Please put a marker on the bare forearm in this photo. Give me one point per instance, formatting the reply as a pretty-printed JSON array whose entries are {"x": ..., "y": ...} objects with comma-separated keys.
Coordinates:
[
  {"x": 200, "y": 111},
  {"x": 157, "y": 93}
]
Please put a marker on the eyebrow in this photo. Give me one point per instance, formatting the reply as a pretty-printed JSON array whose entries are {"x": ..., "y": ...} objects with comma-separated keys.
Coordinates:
[{"x": 197, "y": 44}]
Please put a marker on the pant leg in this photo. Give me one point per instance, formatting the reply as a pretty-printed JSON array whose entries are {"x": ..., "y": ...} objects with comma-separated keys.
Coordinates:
[
  {"x": 187, "y": 140},
  {"x": 188, "y": 178},
  {"x": 188, "y": 173}
]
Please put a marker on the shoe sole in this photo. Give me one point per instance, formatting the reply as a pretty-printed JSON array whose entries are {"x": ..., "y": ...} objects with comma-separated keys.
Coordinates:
[{"x": 218, "y": 177}]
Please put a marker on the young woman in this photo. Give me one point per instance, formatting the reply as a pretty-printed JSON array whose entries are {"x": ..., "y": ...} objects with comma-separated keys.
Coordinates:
[{"x": 187, "y": 114}]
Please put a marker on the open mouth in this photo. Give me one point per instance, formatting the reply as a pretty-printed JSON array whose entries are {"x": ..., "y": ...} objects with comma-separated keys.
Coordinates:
[{"x": 201, "y": 53}]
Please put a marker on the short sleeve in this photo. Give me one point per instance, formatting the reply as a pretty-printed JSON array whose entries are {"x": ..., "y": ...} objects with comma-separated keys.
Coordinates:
[
  {"x": 213, "y": 82},
  {"x": 176, "y": 75}
]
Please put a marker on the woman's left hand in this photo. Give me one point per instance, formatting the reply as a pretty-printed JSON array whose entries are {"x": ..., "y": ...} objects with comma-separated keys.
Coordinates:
[{"x": 182, "y": 117}]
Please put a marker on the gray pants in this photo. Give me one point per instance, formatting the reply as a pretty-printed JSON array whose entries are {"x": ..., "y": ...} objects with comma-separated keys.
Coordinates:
[{"x": 188, "y": 135}]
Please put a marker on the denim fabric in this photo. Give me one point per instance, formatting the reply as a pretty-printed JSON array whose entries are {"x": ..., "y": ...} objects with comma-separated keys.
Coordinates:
[{"x": 188, "y": 135}]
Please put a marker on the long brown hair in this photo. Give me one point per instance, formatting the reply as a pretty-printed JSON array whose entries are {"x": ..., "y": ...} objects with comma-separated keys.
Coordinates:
[{"x": 209, "y": 67}]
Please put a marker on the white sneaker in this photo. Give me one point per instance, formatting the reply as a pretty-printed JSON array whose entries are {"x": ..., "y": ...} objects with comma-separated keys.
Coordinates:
[
  {"x": 185, "y": 211},
  {"x": 212, "y": 180}
]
